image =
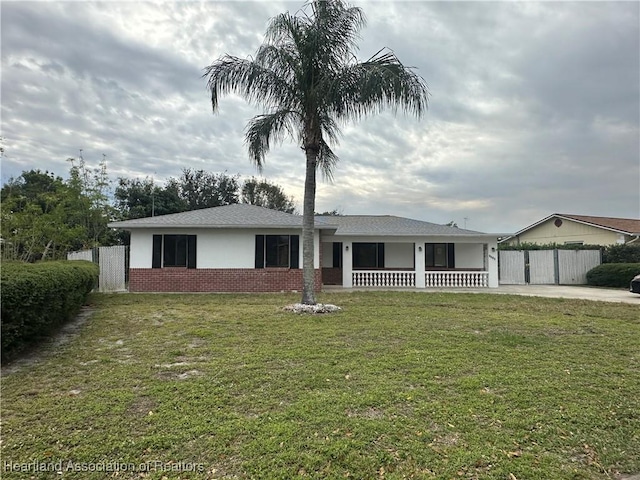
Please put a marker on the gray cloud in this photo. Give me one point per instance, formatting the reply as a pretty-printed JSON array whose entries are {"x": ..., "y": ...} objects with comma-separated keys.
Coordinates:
[{"x": 535, "y": 107}]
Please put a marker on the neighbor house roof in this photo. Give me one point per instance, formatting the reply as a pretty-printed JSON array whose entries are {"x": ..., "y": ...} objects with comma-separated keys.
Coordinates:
[
  {"x": 628, "y": 226},
  {"x": 389, "y": 225},
  {"x": 623, "y": 225},
  {"x": 238, "y": 215}
]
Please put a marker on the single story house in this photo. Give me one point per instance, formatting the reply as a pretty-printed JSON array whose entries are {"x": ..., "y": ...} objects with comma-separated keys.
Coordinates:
[
  {"x": 563, "y": 229},
  {"x": 246, "y": 248}
]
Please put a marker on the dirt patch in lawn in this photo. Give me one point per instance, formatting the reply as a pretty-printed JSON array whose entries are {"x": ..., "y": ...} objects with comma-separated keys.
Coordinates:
[{"x": 36, "y": 353}]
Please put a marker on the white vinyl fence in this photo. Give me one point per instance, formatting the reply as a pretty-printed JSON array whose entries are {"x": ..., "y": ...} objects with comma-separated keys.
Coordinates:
[
  {"x": 573, "y": 265},
  {"x": 546, "y": 267},
  {"x": 112, "y": 261},
  {"x": 81, "y": 255},
  {"x": 511, "y": 267},
  {"x": 542, "y": 267}
]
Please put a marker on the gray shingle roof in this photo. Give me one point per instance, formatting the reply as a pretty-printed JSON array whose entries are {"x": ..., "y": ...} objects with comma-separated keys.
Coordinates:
[
  {"x": 389, "y": 225},
  {"x": 229, "y": 216},
  {"x": 250, "y": 216}
]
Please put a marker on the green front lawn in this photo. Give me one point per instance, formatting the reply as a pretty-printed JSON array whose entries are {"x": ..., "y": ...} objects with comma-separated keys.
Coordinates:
[{"x": 397, "y": 385}]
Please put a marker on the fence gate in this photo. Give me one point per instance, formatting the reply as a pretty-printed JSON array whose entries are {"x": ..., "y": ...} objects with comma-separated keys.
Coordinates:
[
  {"x": 573, "y": 265},
  {"x": 511, "y": 267},
  {"x": 112, "y": 266},
  {"x": 542, "y": 269},
  {"x": 112, "y": 262}
]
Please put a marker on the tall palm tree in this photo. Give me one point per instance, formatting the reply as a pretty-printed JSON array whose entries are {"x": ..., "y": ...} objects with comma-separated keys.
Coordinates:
[{"x": 307, "y": 78}]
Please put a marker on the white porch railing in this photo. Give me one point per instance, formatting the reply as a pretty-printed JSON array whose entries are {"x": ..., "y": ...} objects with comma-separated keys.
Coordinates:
[
  {"x": 383, "y": 278},
  {"x": 456, "y": 279},
  {"x": 434, "y": 279}
]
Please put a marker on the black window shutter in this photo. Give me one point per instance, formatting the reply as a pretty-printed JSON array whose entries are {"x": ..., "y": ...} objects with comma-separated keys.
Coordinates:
[
  {"x": 191, "y": 251},
  {"x": 451, "y": 258},
  {"x": 294, "y": 251},
  {"x": 381, "y": 255},
  {"x": 337, "y": 254},
  {"x": 156, "y": 260},
  {"x": 259, "y": 251}
]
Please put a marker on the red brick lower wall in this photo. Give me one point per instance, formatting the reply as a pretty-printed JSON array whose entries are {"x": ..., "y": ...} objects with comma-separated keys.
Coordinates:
[
  {"x": 332, "y": 276},
  {"x": 218, "y": 280}
]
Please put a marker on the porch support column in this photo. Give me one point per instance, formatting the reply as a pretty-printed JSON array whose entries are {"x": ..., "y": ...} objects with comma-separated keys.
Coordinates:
[
  {"x": 491, "y": 262},
  {"x": 347, "y": 264},
  {"x": 419, "y": 264}
]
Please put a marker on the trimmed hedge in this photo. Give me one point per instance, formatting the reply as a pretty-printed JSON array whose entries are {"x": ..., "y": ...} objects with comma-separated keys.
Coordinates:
[
  {"x": 617, "y": 275},
  {"x": 39, "y": 297},
  {"x": 626, "y": 253}
]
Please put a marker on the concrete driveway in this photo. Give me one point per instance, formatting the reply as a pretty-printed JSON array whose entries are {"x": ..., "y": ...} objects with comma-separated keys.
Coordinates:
[
  {"x": 552, "y": 291},
  {"x": 560, "y": 291}
]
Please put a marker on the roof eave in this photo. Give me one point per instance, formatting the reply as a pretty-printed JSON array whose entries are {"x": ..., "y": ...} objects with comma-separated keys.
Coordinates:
[
  {"x": 382, "y": 234},
  {"x": 217, "y": 227}
]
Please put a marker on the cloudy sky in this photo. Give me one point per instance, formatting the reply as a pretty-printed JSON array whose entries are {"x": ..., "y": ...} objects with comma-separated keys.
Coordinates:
[{"x": 534, "y": 109}]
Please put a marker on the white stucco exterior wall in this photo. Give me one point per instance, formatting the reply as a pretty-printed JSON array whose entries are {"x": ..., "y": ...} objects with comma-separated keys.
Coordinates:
[
  {"x": 226, "y": 249},
  {"x": 398, "y": 255},
  {"x": 141, "y": 249},
  {"x": 469, "y": 255},
  {"x": 327, "y": 255},
  {"x": 216, "y": 248},
  {"x": 347, "y": 264}
]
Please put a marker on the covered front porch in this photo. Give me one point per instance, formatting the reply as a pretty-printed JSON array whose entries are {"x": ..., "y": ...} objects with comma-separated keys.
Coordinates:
[{"x": 410, "y": 262}]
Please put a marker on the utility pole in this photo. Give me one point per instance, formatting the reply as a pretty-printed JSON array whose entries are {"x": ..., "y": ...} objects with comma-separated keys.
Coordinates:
[{"x": 153, "y": 199}]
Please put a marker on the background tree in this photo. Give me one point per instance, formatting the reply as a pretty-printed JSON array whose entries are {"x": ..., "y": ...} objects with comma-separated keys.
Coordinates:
[
  {"x": 92, "y": 191},
  {"x": 200, "y": 189},
  {"x": 194, "y": 189},
  {"x": 331, "y": 213},
  {"x": 307, "y": 78},
  {"x": 139, "y": 198},
  {"x": 43, "y": 217},
  {"x": 265, "y": 194}
]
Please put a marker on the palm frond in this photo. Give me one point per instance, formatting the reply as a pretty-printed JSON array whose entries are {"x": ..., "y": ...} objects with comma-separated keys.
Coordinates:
[
  {"x": 336, "y": 27},
  {"x": 381, "y": 82},
  {"x": 254, "y": 82},
  {"x": 284, "y": 28},
  {"x": 307, "y": 76},
  {"x": 327, "y": 161},
  {"x": 263, "y": 130}
]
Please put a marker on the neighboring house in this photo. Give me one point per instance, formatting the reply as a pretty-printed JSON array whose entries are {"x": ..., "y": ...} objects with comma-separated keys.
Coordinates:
[
  {"x": 245, "y": 248},
  {"x": 563, "y": 229}
]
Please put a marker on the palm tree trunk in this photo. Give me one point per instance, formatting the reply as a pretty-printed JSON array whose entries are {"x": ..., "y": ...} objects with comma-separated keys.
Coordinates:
[{"x": 308, "y": 222}]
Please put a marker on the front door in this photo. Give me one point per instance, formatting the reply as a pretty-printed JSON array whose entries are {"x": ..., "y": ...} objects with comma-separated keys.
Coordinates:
[{"x": 332, "y": 270}]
